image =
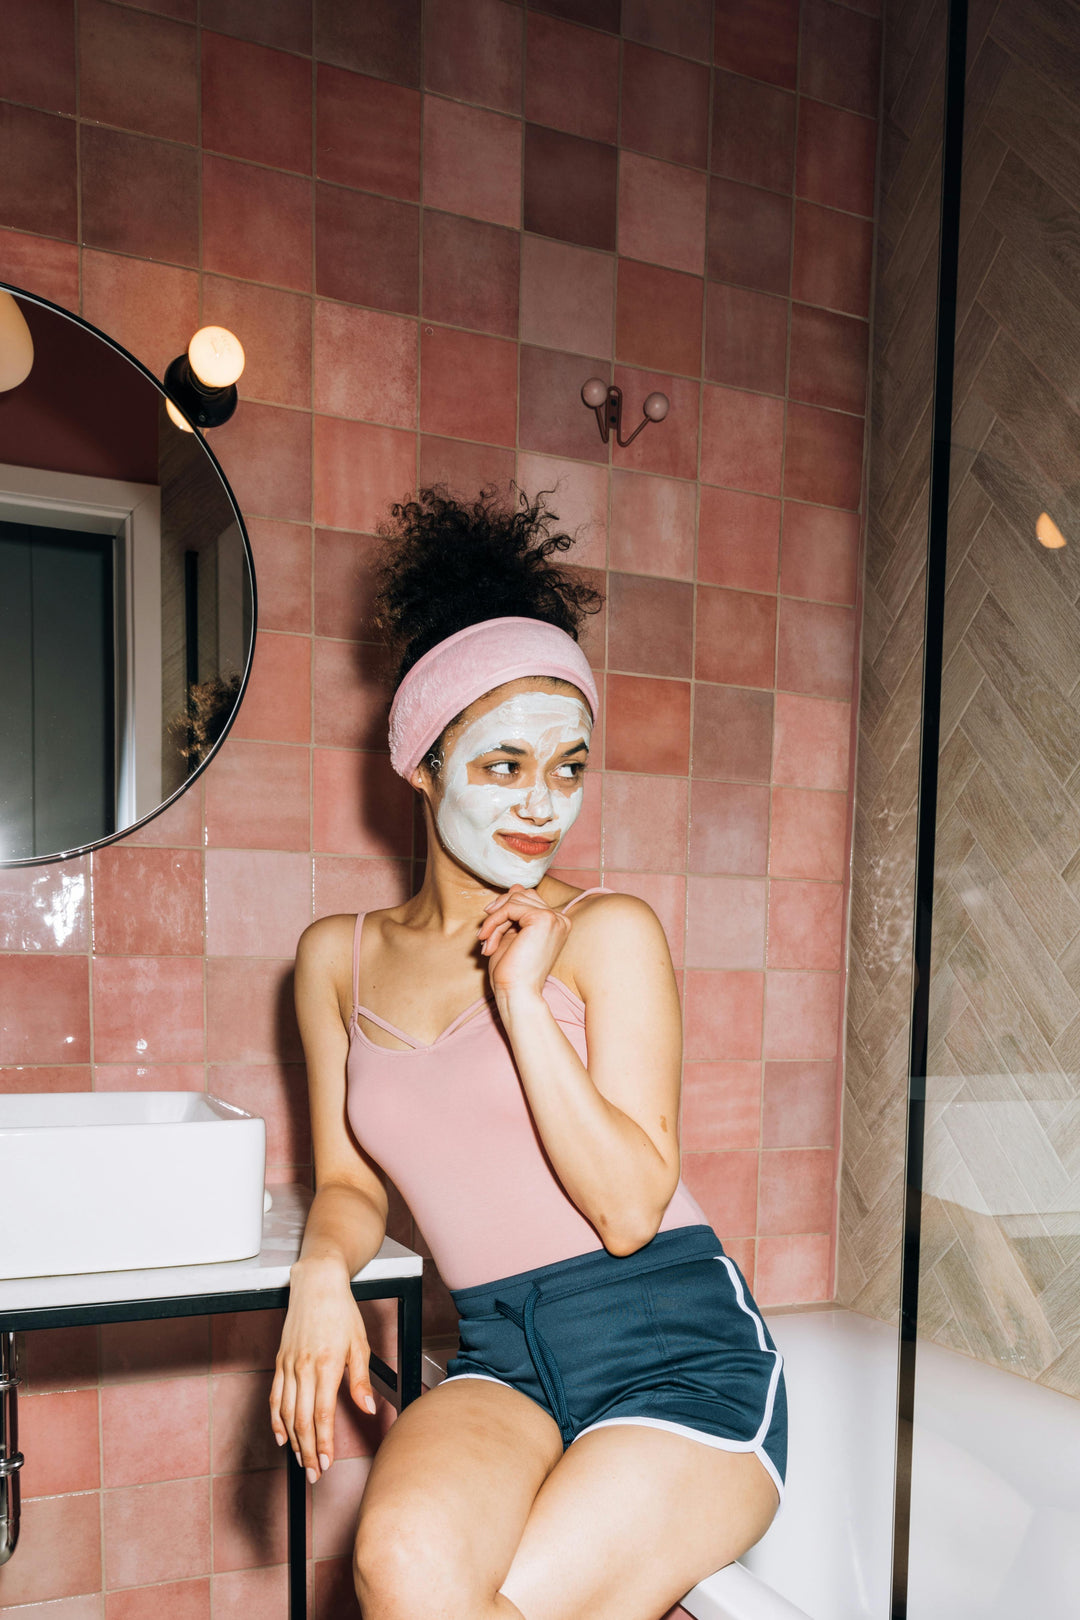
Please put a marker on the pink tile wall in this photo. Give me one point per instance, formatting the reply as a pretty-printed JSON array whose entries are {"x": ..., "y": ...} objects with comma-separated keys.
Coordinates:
[{"x": 687, "y": 205}]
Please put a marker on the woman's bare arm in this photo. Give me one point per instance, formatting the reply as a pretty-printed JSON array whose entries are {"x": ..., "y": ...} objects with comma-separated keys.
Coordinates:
[
  {"x": 324, "y": 1332},
  {"x": 610, "y": 1130}
]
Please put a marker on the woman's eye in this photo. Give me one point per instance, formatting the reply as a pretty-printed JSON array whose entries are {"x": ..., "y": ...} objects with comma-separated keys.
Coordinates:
[
  {"x": 503, "y": 767},
  {"x": 571, "y": 770}
]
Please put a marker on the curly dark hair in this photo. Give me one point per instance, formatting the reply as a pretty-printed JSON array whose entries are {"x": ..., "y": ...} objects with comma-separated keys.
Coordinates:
[{"x": 449, "y": 563}]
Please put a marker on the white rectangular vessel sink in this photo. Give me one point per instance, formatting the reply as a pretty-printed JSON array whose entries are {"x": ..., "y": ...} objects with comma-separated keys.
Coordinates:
[{"x": 122, "y": 1180}]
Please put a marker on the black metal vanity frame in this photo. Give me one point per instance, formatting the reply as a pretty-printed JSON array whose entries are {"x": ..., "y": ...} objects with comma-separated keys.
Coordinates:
[{"x": 401, "y": 1387}]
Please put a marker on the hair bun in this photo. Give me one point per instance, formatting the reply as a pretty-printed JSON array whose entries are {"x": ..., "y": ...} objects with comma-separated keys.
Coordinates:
[{"x": 448, "y": 564}]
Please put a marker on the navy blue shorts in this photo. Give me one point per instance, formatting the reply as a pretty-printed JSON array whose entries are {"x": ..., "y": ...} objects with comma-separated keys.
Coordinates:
[{"x": 668, "y": 1337}]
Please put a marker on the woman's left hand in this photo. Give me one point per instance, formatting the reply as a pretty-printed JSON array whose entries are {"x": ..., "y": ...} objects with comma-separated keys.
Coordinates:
[{"x": 522, "y": 939}]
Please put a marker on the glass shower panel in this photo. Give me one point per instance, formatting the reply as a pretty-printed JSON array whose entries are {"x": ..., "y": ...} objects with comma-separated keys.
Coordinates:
[{"x": 995, "y": 1486}]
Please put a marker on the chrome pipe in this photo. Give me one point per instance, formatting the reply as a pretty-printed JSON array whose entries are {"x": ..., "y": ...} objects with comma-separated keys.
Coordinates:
[{"x": 11, "y": 1458}]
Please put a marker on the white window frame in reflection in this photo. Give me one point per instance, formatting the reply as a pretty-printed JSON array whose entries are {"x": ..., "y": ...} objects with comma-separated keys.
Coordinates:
[{"x": 131, "y": 514}]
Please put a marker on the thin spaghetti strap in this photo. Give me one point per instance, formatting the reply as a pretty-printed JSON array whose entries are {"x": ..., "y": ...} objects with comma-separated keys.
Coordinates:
[
  {"x": 357, "y": 931},
  {"x": 599, "y": 889}
]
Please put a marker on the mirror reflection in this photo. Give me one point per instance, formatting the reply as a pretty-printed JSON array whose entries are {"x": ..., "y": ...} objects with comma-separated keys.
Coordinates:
[{"x": 127, "y": 598}]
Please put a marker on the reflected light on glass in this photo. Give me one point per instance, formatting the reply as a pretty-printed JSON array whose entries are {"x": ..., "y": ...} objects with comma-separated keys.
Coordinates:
[
  {"x": 174, "y": 416},
  {"x": 1048, "y": 533},
  {"x": 16, "y": 344},
  {"x": 216, "y": 356}
]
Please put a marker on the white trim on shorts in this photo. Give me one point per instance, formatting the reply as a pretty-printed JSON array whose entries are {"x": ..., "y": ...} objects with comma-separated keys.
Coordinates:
[
  {"x": 452, "y": 1378},
  {"x": 695, "y": 1434}
]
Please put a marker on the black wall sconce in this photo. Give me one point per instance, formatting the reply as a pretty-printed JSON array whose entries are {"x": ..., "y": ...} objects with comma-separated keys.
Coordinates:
[
  {"x": 606, "y": 400},
  {"x": 202, "y": 382}
]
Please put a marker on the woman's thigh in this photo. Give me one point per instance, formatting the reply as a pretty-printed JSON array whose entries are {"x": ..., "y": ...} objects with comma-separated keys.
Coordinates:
[
  {"x": 447, "y": 1498},
  {"x": 630, "y": 1520}
]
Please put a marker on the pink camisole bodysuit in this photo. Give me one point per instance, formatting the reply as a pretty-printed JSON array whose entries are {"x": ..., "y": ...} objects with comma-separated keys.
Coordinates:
[{"x": 451, "y": 1126}]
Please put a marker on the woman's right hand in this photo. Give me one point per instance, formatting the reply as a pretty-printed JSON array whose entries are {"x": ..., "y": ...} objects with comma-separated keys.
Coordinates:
[{"x": 323, "y": 1336}]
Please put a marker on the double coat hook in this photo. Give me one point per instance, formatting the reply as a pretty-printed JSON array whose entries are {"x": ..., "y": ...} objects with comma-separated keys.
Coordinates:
[{"x": 606, "y": 400}]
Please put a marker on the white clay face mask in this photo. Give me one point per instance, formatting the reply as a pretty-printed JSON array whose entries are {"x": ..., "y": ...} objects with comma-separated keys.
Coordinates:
[{"x": 528, "y": 797}]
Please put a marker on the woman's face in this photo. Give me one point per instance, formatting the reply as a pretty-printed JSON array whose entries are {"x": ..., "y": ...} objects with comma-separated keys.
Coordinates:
[{"x": 512, "y": 781}]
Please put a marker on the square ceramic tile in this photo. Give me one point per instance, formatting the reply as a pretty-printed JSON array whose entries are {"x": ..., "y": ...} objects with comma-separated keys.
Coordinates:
[
  {"x": 685, "y": 29},
  {"x": 39, "y": 55},
  {"x": 829, "y": 359},
  {"x": 820, "y": 553},
  {"x": 256, "y": 223},
  {"x": 650, "y": 625},
  {"x": 648, "y": 725},
  {"x": 472, "y": 162},
  {"x": 123, "y": 180},
  {"x": 471, "y": 273},
  {"x": 739, "y": 540},
  {"x": 746, "y": 338},
  {"x": 662, "y": 211},
  {"x": 37, "y": 180},
  {"x": 742, "y": 440},
  {"x": 653, "y": 522},
  {"x": 256, "y": 103},
  {"x": 823, "y": 456},
  {"x": 381, "y": 37},
  {"x": 735, "y": 642},
  {"x": 570, "y": 187},
  {"x": 468, "y": 385},
  {"x": 366, "y": 365},
  {"x": 658, "y": 318},
  {"x": 583, "y": 324},
  {"x": 835, "y": 157},
  {"x": 833, "y": 259},
  {"x": 812, "y": 742},
  {"x": 749, "y": 236},
  {"x": 472, "y": 52},
  {"x": 840, "y": 56},
  {"x": 816, "y": 649},
  {"x": 665, "y": 106},
  {"x": 760, "y": 41},
  {"x": 387, "y": 274},
  {"x": 753, "y": 132},
  {"x": 286, "y": 25},
  {"x": 138, "y": 71},
  {"x": 571, "y": 78},
  {"x": 367, "y": 133},
  {"x": 733, "y": 729}
]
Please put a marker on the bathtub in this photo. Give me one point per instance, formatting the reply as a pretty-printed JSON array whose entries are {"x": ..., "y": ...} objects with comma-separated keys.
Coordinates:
[
  {"x": 995, "y": 1504},
  {"x": 995, "y": 1509}
]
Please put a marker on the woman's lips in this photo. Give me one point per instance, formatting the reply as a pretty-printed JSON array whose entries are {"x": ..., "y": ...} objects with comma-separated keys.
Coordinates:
[{"x": 523, "y": 845}]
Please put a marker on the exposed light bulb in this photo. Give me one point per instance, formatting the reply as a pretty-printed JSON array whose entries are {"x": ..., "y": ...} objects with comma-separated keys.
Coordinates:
[
  {"x": 1048, "y": 533},
  {"x": 174, "y": 416},
  {"x": 16, "y": 344},
  {"x": 216, "y": 356}
]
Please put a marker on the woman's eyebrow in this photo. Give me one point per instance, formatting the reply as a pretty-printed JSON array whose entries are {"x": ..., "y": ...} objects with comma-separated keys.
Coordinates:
[
  {"x": 576, "y": 748},
  {"x": 502, "y": 748}
]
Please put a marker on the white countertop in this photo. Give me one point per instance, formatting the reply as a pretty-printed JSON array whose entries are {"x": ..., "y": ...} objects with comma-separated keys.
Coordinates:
[{"x": 283, "y": 1228}]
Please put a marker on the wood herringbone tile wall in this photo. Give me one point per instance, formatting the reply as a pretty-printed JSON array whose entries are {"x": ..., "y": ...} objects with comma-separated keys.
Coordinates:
[{"x": 1001, "y": 1214}]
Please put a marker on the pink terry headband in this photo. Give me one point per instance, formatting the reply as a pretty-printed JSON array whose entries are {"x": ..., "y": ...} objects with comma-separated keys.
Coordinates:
[{"x": 474, "y": 661}]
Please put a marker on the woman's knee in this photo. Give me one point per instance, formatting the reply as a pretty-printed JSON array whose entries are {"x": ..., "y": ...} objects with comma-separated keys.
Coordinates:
[{"x": 404, "y": 1567}]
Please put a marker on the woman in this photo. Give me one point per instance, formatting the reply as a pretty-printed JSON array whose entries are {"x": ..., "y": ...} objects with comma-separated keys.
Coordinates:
[{"x": 507, "y": 1049}]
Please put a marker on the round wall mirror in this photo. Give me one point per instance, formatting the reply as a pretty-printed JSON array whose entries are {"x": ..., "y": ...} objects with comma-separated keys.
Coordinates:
[{"x": 127, "y": 595}]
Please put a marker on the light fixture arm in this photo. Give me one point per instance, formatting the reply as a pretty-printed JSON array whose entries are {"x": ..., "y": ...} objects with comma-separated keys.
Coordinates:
[{"x": 606, "y": 400}]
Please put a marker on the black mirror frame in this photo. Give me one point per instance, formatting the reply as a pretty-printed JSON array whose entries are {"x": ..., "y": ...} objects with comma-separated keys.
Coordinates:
[{"x": 114, "y": 837}]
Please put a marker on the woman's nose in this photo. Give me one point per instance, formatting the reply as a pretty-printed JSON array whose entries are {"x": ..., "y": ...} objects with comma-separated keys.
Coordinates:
[{"x": 538, "y": 805}]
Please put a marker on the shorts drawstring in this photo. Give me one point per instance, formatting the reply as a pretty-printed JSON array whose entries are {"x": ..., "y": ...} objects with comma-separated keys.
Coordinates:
[{"x": 543, "y": 1360}]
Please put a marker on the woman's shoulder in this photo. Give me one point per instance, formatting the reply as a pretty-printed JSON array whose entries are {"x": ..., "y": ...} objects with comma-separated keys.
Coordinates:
[{"x": 613, "y": 934}]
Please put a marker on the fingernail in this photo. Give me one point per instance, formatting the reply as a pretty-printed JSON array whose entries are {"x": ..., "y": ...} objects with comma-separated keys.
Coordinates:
[
  {"x": 280, "y": 1438},
  {"x": 369, "y": 1402},
  {"x": 324, "y": 1461},
  {"x": 312, "y": 1476}
]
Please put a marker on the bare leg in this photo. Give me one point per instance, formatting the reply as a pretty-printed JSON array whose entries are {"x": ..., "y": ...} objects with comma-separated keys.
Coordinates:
[{"x": 446, "y": 1502}]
